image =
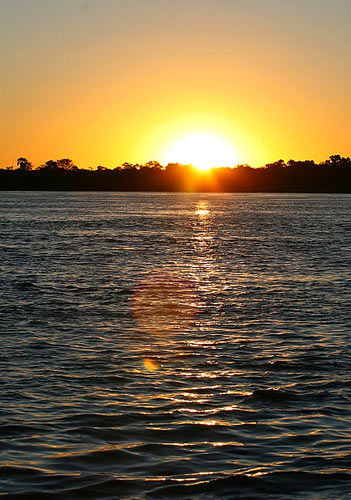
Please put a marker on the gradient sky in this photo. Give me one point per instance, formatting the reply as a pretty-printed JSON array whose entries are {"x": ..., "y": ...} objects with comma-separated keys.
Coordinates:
[{"x": 108, "y": 81}]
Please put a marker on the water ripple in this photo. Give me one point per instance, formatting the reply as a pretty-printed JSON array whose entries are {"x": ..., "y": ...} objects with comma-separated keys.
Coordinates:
[{"x": 175, "y": 346}]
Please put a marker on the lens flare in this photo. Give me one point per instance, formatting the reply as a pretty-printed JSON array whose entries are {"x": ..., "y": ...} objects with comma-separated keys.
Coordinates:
[
  {"x": 150, "y": 364},
  {"x": 164, "y": 303}
]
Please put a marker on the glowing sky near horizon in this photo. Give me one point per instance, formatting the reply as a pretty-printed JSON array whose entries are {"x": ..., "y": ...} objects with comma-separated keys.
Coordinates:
[{"x": 109, "y": 81}]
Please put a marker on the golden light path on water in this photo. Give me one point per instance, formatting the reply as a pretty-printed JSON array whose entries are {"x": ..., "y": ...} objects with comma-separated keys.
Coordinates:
[{"x": 165, "y": 302}]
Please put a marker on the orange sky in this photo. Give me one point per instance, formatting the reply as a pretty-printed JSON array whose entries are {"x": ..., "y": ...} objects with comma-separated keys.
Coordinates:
[{"x": 109, "y": 81}]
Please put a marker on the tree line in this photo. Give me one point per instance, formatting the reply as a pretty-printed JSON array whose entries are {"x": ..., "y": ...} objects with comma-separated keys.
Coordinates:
[{"x": 331, "y": 176}]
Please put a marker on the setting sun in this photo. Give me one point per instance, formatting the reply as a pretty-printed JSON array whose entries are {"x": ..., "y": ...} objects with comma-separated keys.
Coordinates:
[{"x": 203, "y": 150}]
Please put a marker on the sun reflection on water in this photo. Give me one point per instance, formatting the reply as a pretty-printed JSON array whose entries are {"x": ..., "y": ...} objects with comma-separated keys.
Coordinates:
[
  {"x": 181, "y": 297},
  {"x": 202, "y": 209}
]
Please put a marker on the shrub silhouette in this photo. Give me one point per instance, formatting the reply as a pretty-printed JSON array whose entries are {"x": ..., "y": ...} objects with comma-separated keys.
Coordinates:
[{"x": 332, "y": 175}]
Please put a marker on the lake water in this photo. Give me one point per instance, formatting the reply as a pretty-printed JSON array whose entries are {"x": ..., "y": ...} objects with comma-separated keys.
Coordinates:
[{"x": 191, "y": 346}]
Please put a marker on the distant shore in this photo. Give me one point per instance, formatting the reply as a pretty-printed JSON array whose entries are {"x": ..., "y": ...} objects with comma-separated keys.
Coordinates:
[{"x": 330, "y": 176}]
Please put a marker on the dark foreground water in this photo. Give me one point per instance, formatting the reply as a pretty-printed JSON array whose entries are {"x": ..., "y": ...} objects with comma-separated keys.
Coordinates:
[{"x": 175, "y": 346}]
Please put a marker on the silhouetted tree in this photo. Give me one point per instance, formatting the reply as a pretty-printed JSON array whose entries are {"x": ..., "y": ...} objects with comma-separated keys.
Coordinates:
[
  {"x": 276, "y": 164},
  {"x": 128, "y": 166},
  {"x": 66, "y": 164},
  {"x": 24, "y": 165},
  {"x": 301, "y": 164},
  {"x": 152, "y": 164},
  {"x": 50, "y": 165},
  {"x": 332, "y": 175},
  {"x": 338, "y": 161}
]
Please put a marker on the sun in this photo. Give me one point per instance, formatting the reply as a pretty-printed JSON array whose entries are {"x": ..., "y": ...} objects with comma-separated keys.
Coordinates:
[{"x": 203, "y": 150}]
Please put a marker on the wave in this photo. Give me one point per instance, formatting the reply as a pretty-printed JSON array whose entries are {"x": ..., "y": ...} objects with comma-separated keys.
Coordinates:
[
  {"x": 271, "y": 395},
  {"x": 275, "y": 396},
  {"x": 239, "y": 486}
]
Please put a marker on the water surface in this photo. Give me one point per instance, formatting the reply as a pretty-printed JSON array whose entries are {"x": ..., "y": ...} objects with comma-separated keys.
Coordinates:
[{"x": 191, "y": 346}]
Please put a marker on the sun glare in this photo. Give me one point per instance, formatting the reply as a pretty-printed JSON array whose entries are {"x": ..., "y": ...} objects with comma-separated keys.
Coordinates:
[{"x": 202, "y": 150}]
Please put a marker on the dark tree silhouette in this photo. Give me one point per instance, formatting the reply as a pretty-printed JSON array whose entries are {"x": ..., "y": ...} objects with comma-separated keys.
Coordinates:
[
  {"x": 66, "y": 164},
  {"x": 332, "y": 175},
  {"x": 49, "y": 165},
  {"x": 24, "y": 165},
  {"x": 338, "y": 161}
]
